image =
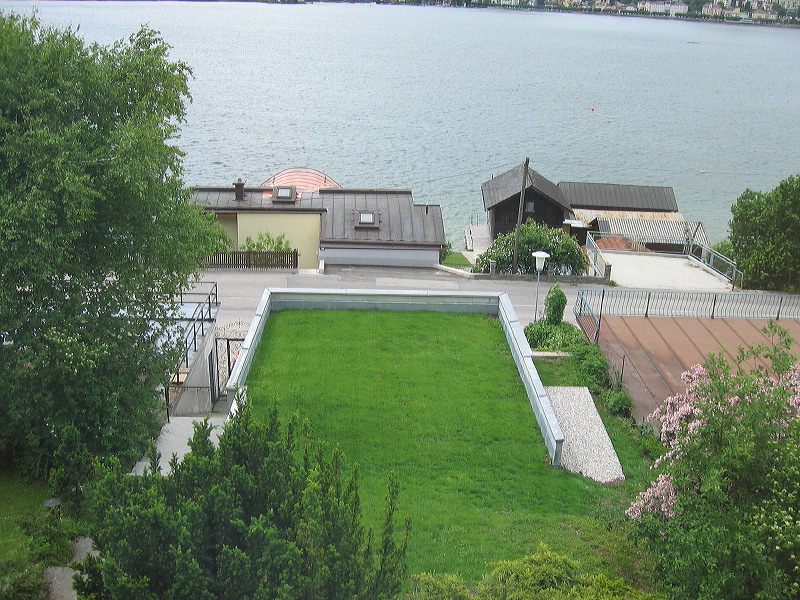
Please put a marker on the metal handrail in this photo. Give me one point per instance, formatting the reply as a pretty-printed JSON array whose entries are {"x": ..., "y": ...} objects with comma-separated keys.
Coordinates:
[
  {"x": 597, "y": 262},
  {"x": 718, "y": 263},
  {"x": 687, "y": 304},
  {"x": 202, "y": 314}
]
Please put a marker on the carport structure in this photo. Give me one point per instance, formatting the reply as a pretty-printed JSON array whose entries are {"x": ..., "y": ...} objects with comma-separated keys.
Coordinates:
[{"x": 650, "y": 338}]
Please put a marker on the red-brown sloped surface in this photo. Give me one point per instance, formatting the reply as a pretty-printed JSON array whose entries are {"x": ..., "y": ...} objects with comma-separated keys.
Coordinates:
[
  {"x": 653, "y": 352},
  {"x": 303, "y": 178}
]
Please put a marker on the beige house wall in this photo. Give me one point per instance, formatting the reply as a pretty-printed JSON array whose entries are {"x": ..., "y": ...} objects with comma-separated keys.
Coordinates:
[
  {"x": 228, "y": 224},
  {"x": 301, "y": 229}
]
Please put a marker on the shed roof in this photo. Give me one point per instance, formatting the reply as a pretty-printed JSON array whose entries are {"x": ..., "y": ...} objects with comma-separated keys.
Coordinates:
[
  {"x": 614, "y": 196},
  {"x": 587, "y": 215},
  {"x": 655, "y": 229},
  {"x": 507, "y": 185}
]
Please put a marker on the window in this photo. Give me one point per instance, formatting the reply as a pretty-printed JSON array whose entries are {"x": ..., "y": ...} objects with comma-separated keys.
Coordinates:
[
  {"x": 284, "y": 193},
  {"x": 366, "y": 218}
]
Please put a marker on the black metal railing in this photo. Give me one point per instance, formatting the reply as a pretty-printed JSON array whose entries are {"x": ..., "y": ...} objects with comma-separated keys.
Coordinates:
[{"x": 204, "y": 295}]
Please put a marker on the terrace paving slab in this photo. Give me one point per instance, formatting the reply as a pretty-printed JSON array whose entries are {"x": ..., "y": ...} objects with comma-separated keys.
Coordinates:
[{"x": 650, "y": 271}]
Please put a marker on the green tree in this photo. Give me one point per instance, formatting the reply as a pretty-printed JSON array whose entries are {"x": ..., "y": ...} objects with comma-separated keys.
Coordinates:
[
  {"x": 722, "y": 515},
  {"x": 724, "y": 247},
  {"x": 266, "y": 515},
  {"x": 96, "y": 239},
  {"x": 566, "y": 257},
  {"x": 765, "y": 235}
]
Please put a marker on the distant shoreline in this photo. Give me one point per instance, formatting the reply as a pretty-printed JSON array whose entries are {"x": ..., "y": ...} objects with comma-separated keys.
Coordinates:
[
  {"x": 794, "y": 24},
  {"x": 608, "y": 13}
]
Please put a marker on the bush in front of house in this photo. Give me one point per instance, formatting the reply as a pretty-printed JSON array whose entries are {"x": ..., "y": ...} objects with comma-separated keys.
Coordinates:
[
  {"x": 265, "y": 241},
  {"x": 551, "y": 333},
  {"x": 566, "y": 257}
]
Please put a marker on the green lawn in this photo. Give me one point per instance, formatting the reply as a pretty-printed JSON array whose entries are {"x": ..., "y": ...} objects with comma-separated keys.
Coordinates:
[
  {"x": 436, "y": 397},
  {"x": 17, "y": 497},
  {"x": 456, "y": 260}
]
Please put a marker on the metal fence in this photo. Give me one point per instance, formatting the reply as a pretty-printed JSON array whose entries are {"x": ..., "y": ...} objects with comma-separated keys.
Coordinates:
[
  {"x": 201, "y": 292},
  {"x": 253, "y": 259},
  {"x": 592, "y": 305},
  {"x": 619, "y": 366}
]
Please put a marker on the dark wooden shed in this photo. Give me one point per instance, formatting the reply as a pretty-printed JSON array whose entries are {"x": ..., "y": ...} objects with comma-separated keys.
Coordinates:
[{"x": 544, "y": 201}]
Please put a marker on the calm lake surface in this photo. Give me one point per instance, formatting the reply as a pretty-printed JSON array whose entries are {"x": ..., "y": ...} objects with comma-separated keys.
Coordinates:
[{"x": 437, "y": 100}]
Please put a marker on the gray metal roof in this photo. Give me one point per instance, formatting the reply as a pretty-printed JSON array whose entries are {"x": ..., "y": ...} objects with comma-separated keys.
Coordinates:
[
  {"x": 507, "y": 185},
  {"x": 399, "y": 222},
  {"x": 654, "y": 229},
  {"x": 613, "y": 196}
]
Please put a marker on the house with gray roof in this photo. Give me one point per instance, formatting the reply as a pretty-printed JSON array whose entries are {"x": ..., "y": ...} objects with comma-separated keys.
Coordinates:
[
  {"x": 334, "y": 225},
  {"x": 581, "y": 207}
]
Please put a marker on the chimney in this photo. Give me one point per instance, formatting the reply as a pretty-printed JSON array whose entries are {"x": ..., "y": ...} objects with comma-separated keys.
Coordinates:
[{"x": 238, "y": 187}]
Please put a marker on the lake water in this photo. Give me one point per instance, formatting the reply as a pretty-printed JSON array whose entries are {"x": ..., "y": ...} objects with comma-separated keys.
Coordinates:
[{"x": 437, "y": 100}]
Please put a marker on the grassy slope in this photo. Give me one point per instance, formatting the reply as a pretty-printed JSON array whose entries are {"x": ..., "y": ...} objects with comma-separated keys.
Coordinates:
[
  {"x": 437, "y": 398},
  {"x": 17, "y": 497}
]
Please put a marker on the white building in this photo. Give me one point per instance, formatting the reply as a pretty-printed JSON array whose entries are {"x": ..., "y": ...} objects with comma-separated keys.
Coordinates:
[{"x": 660, "y": 6}]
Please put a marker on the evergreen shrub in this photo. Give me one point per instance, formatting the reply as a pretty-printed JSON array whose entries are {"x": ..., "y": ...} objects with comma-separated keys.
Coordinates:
[{"x": 554, "y": 304}]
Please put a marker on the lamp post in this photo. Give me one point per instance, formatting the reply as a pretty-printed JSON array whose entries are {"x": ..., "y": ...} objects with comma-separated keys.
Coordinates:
[{"x": 540, "y": 257}]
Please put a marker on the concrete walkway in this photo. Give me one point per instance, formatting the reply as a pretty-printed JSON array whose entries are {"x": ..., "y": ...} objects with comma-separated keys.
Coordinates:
[{"x": 174, "y": 439}]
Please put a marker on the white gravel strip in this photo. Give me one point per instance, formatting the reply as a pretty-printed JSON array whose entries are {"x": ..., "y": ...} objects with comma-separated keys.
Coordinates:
[{"x": 587, "y": 449}]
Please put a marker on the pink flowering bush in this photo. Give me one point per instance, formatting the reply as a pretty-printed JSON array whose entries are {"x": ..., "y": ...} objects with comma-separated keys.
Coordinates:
[
  {"x": 659, "y": 499},
  {"x": 709, "y": 514}
]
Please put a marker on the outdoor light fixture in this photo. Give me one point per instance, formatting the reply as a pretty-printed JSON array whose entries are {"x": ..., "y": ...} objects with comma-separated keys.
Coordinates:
[{"x": 540, "y": 257}]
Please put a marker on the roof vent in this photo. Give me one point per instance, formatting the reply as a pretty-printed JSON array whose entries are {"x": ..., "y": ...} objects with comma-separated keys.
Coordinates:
[{"x": 238, "y": 188}]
